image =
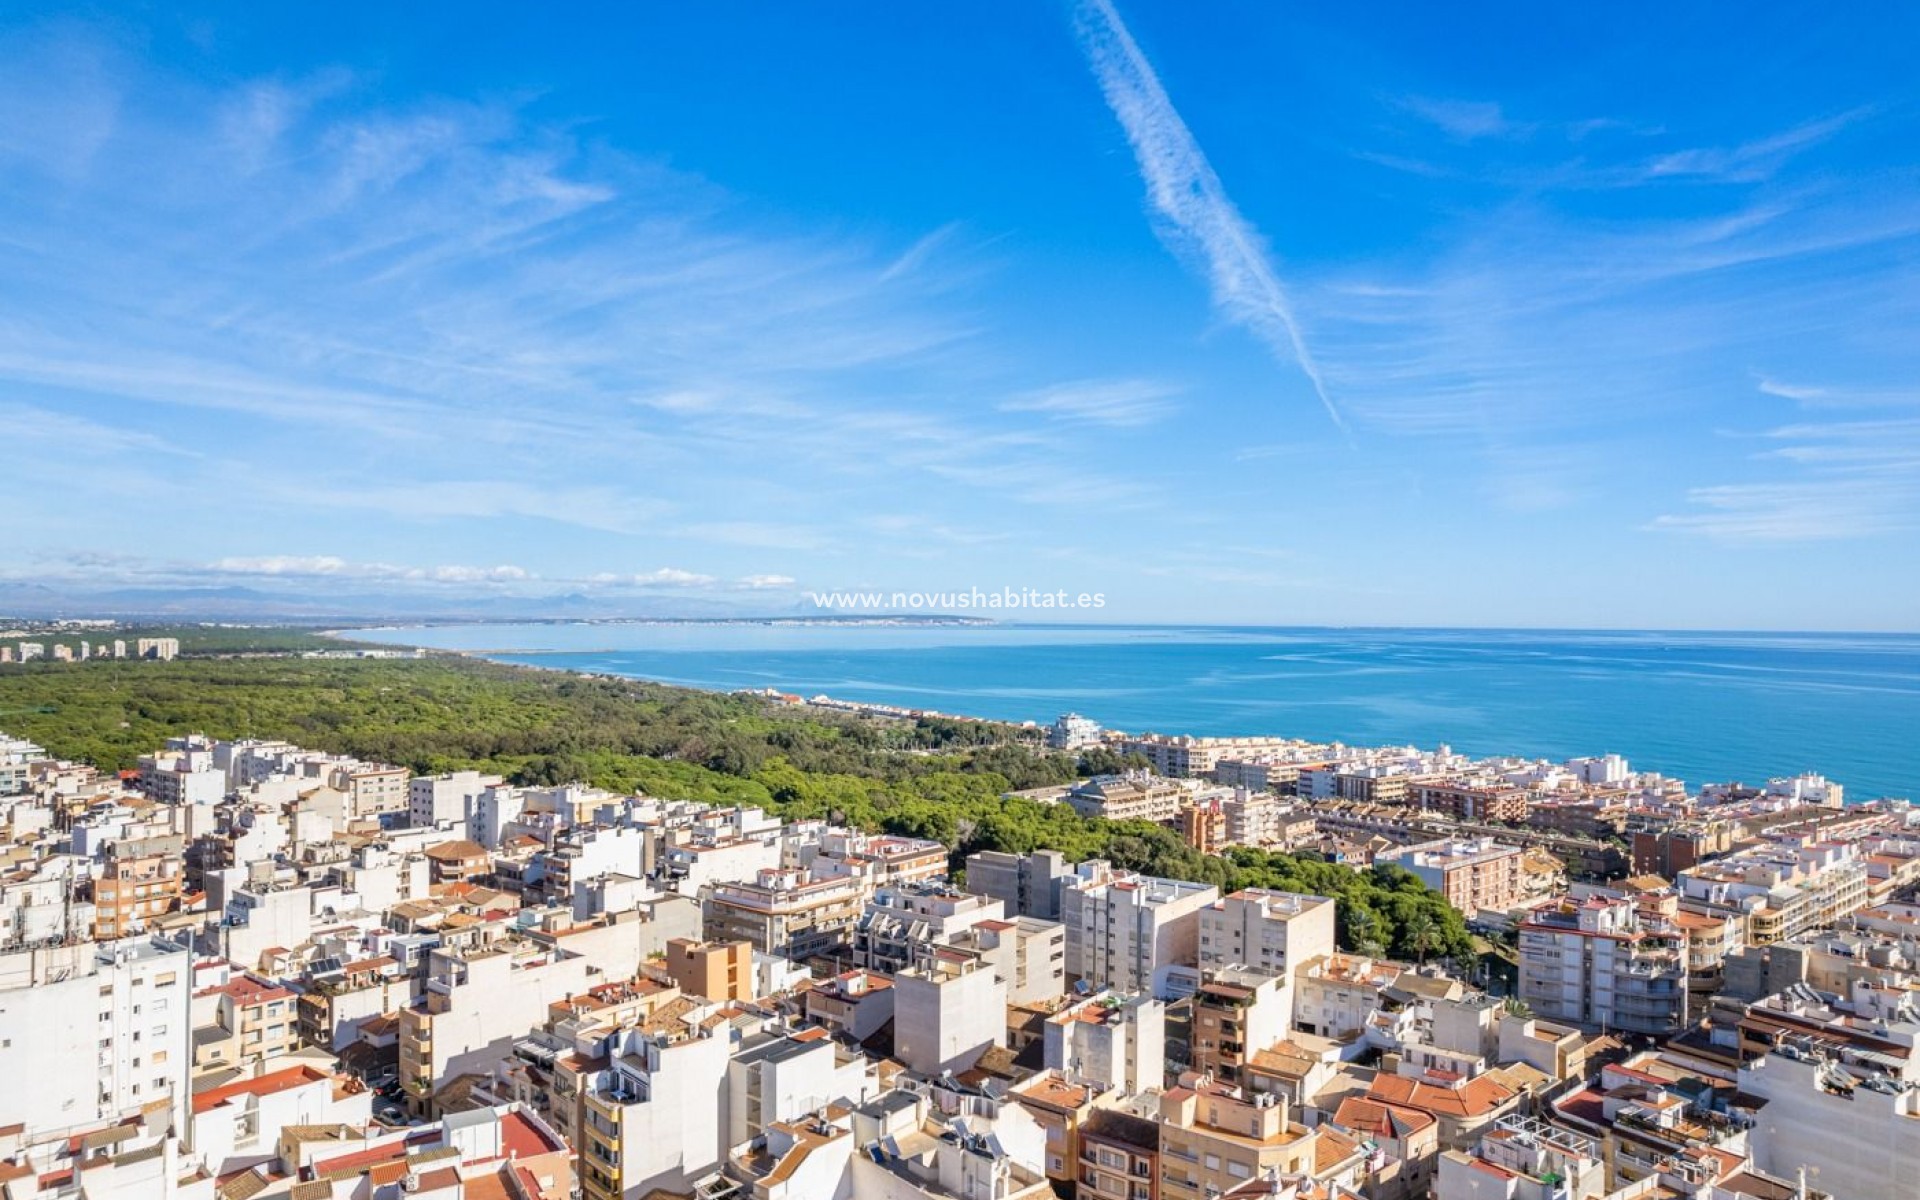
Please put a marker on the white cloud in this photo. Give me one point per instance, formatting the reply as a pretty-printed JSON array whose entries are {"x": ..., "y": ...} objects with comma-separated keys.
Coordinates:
[
  {"x": 1190, "y": 198},
  {"x": 670, "y": 577},
  {"x": 765, "y": 582},
  {"x": 1466, "y": 119},
  {"x": 328, "y": 566}
]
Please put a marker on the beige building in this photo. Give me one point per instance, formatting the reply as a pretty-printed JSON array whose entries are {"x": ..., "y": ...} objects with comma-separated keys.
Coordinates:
[
  {"x": 716, "y": 970},
  {"x": 1473, "y": 874},
  {"x": 140, "y": 883},
  {"x": 1215, "y": 1137},
  {"x": 784, "y": 912}
]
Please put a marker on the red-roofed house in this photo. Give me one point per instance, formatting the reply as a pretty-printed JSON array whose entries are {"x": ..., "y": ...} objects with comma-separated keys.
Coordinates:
[{"x": 238, "y": 1125}]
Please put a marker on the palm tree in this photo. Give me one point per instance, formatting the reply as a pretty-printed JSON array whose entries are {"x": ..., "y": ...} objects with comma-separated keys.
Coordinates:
[
  {"x": 1364, "y": 927},
  {"x": 1422, "y": 935}
]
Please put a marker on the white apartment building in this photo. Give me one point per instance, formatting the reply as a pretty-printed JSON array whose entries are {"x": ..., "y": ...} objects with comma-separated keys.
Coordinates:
[
  {"x": 947, "y": 1013},
  {"x": 1840, "y": 1086},
  {"x": 1114, "y": 1040},
  {"x": 1071, "y": 731},
  {"x": 95, "y": 1031},
  {"x": 476, "y": 1002},
  {"x": 775, "y": 1076},
  {"x": 450, "y": 798},
  {"x": 1782, "y": 889},
  {"x": 1601, "y": 964},
  {"x": 1267, "y": 930},
  {"x": 1133, "y": 932}
]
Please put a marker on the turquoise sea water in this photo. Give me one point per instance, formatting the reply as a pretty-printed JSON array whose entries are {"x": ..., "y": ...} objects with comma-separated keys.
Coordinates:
[{"x": 1700, "y": 706}]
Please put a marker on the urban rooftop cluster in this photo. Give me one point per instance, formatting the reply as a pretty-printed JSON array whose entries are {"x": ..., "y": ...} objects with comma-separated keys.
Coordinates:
[{"x": 248, "y": 969}]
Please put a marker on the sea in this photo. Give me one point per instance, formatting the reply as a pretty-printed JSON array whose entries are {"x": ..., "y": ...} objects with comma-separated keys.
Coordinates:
[{"x": 1703, "y": 707}]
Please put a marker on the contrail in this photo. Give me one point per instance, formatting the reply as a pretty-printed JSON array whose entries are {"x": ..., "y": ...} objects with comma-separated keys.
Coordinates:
[{"x": 1187, "y": 194}]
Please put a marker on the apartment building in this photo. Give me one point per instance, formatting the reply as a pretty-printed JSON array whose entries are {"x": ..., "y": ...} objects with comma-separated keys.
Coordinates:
[
  {"x": 1601, "y": 963},
  {"x": 1133, "y": 932},
  {"x": 1474, "y": 874},
  {"x": 1135, "y": 796},
  {"x": 434, "y": 800},
  {"x": 1183, "y": 757},
  {"x": 1028, "y": 954},
  {"x": 775, "y": 1076},
  {"x": 647, "y": 1104},
  {"x": 1060, "y": 1107},
  {"x": 1781, "y": 889},
  {"x": 372, "y": 789},
  {"x": 790, "y": 913},
  {"x": 336, "y": 1002},
  {"x": 95, "y": 1031},
  {"x": 1267, "y": 930},
  {"x": 474, "y": 1003},
  {"x": 1114, "y": 1040},
  {"x": 141, "y": 881},
  {"x": 1071, "y": 731},
  {"x": 1029, "y": 885},
  {"x": 1237, "y": 1013},
  {"x": 254, "y": 1020},
  {"x": 947, "y": 1013},
  {"x": 716, "y": 970},
  {"x": 1467, "y": 800},
  {"x": 1119, "y": 1156},
  {"x": 1256, "y": 817},
  {"x": 902, "y": 923},
  {"x": 878, "y": 860},
  {"x": 1838, "y": 1081},
  {"x": 165, "y": 649},
  {"x": 1215, "y": 1137}
]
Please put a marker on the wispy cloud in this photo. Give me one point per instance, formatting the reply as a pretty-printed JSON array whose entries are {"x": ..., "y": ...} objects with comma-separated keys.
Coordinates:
[
  {"x": 1466, "y": 119},
  {"x": 1828, "y": 478},
  {"x": 1754, "y": 160},
  {"x": 1122, "y": 402},
  {"x": 449, "y": 312},
  {"x": 1188, "y": 196}
]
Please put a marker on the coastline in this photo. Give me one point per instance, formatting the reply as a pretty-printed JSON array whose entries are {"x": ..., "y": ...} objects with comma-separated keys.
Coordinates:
[{"x": 1756, "y": 740}]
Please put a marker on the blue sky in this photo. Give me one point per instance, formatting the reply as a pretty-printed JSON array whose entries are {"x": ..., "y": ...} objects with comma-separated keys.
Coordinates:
[{"x": 1391, "y": 315}]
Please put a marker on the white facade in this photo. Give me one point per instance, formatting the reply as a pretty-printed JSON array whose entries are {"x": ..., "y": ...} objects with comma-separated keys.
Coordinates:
[
  {"x": 1267, "y": 930},
  {"x": 1131, "y": 932},
  {"x": 95, "y": 1031},
  {"x": 1113, "y": 1040},
  {"x": 947, "y": 1014}
]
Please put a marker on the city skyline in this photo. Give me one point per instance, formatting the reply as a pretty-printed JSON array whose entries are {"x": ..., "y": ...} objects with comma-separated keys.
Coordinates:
[{"x": 1376, "y": 319}]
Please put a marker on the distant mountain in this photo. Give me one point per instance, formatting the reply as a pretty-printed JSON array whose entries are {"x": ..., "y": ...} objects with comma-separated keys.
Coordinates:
[{"x": 235, "y": 602}]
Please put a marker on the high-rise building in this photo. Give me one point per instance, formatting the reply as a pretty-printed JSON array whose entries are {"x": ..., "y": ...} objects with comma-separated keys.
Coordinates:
[
  {"x": 1601, "y": 964},
  {"x": 1138, "y": 933},
  {"x": 1267, "y": 930}
]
